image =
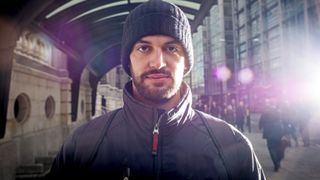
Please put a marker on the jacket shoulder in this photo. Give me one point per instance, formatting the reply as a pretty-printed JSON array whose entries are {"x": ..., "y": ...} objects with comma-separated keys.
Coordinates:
[
  {"x": 216, "y": 123},
  {"x": 93, "y": 127},
  {"x": 236, "y": 147},
  {"x": 228, "y": 133},
  {"x": 220, "y": 128},
  {"x": 78, "y": 148},
  {"x": 84, "y": 141}
]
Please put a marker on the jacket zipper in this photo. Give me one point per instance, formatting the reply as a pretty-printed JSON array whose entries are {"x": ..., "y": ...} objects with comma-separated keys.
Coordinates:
[
  {"x": 155, "y": 147},
  {"x": 155, "y": 140},
  {"x": 155, "y": 136}
]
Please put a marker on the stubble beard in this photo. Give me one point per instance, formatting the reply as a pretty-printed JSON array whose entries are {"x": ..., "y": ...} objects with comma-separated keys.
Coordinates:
[{"x": 157, "y": 92}]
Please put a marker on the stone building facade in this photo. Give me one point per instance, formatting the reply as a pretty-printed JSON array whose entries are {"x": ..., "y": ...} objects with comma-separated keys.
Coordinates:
[{"x": 39, "y": 108}]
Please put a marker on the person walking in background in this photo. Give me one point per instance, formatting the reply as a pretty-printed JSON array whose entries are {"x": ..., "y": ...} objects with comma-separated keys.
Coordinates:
[
  {"x": 223, "y": 111},
  {"x": 288, "y": 115},
  {"x": 103, "y": 105},
  {"x": 248, "y": 119},
  {"x": 214, "y": 109},
  {"x": 206, "y": 108},
  {"x": 240, "y": 115},
  {"x": 199, "y": 105},
  {"x": 157, "y": 134},
  {"x": 229, "y": 115},
  {"x": 272, "y": 130}
]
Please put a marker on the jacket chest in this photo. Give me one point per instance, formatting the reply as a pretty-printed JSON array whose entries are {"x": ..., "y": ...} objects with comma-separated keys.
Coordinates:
[{"x": 124, "y": 152}]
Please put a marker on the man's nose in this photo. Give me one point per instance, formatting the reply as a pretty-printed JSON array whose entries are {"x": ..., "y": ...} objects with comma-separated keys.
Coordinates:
[{"x": 157, "y": 60}]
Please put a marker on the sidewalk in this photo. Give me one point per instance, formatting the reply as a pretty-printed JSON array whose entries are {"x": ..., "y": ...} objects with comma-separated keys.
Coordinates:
[{"x": 299, "y": 163}]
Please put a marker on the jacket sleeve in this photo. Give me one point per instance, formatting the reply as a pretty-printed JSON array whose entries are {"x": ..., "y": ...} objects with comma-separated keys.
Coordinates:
[
  {"x": 252, "y": 169},
  {"x": 76, "y": 151},
  {"x": 63, "y": 163},
  {"x": 240, "y": 158}
]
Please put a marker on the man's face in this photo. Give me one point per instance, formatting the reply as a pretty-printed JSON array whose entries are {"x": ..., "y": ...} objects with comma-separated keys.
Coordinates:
[{"x": 157, "y": 68}]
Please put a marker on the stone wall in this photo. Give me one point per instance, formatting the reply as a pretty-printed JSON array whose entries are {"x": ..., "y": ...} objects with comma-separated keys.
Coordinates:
[
  {"x": 39, "y": 108},
  {"x": 35, "y": 125}
]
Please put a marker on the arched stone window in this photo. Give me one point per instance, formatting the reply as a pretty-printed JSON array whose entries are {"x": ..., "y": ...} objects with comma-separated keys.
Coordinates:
[
  {"x": 50, "y": 107},
  {"x": 82, "y": 106},
  {"x": 22, "y": 108}
]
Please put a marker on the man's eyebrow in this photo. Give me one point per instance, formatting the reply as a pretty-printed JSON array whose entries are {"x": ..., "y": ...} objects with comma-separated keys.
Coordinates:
[
  {"x": 173, "y": 42},
  {"x": 169, "y": 42},
  {"x": 143, "y": 42}
]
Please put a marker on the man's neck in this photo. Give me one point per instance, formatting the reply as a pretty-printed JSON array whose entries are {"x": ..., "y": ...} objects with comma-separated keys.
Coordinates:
[{"x": 171, "y": 103}]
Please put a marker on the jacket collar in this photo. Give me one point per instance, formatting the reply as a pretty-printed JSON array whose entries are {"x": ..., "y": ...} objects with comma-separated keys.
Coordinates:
[{"x": 146, "y": 116}]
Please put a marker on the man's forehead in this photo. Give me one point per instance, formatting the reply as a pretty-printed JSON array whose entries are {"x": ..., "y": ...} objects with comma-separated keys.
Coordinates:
[{"x": 158, "y": 38}]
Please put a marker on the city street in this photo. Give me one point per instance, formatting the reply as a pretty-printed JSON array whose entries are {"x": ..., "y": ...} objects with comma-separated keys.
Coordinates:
[{"x": 299, "y": 162}]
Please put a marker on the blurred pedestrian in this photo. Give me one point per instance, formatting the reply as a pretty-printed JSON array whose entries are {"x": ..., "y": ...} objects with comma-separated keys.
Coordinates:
[
  {"x": 103, "y": 105},
  {"x": 248, "y": 118},
  {"x": 289, "y": 122},
  {"x": 240, "y": 115},
  {"x": 199, "y": 105},
  {"x": 206, "y": 108},
  {"x": 229, "y": 115},
  {"x": 271, "y": 125},
  {"x": 214, "y": 109}
]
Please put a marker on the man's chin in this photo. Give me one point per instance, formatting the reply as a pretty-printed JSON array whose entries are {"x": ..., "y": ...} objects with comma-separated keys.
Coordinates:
[
  {"x": 160, "y": 92},
  {"x": 157, "y": 94},
  {"x": 157, "y": 83},
  {"x": 155, "y": 91}
]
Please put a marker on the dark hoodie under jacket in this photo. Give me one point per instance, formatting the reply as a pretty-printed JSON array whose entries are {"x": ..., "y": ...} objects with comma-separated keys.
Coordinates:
[{"x": 131, "y": 148}]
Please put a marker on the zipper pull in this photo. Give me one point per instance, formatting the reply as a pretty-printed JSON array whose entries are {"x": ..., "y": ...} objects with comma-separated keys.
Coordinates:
[
  {"x": 155, "y": 140},
  {"x": 126, "y": 174}
]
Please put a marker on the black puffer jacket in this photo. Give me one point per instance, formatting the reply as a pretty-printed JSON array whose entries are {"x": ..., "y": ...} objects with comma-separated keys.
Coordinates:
[{"x": 184, "y": 149}]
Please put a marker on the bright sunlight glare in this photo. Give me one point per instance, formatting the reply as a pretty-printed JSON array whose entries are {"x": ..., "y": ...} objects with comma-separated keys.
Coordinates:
[
  {"x": 223, "y": 73},
  {"x": 245, "y": 76}
]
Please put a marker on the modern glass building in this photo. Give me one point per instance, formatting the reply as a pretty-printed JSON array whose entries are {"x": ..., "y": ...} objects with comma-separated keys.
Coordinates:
[
  {"x": 276, "y": 40},
  {"x": 212, "y": 75},
  {"x": 254, "y": 49},
  {"x": 197, "y": 73}
]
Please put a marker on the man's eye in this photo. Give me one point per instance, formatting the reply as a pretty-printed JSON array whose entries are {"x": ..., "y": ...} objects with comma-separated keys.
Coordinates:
[
  {"x": 172, "y": 49},
  {"x": 144, "y": 49}
]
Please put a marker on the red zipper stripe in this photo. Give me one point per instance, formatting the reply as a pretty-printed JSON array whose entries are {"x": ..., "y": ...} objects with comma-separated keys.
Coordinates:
[{"x": 155, "y": 142}]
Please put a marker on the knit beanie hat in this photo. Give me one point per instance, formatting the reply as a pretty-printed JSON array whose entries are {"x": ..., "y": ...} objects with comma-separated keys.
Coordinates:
[{"x": 156, "y": 17}]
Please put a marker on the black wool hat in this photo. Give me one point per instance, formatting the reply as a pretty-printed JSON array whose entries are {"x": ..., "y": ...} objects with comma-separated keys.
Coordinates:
[{"x": 154, "y": 18}]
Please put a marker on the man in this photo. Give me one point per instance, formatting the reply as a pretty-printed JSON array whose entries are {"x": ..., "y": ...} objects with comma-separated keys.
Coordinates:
[
  {"x": 229, "y": 115},
  {"x": 271, "y": 125},
  {"x": 248, "y": 117},
  {"x": 199, "y": 105},
  {"x": 103, "y": 105},
  {"x": 240, "y": 115},
  {"x": 157, "y": 134},
  {"x": 214, "y": 109}
]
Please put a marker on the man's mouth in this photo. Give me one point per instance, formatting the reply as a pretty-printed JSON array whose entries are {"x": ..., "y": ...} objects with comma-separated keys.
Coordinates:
[{"x": 157, "y": 76}]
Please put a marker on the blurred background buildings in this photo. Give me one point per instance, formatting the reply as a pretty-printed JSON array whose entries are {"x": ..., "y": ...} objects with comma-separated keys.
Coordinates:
[{"x": 254, "y": 49}]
